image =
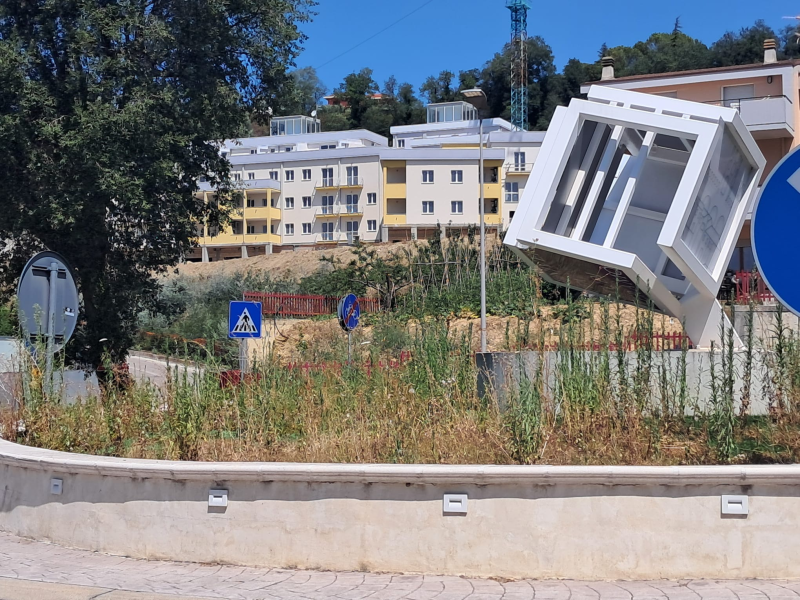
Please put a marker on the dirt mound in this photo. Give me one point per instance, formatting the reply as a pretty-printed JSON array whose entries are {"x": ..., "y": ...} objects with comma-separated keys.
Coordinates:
[{"x": 287, "y": 264}]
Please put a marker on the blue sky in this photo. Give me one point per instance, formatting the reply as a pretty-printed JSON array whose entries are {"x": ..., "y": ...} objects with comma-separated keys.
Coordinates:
[{"x": 462, "y": 34}]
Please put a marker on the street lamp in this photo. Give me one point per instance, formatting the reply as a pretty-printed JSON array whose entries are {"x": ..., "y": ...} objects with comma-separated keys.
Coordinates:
[{"x": 477, "y": 98}]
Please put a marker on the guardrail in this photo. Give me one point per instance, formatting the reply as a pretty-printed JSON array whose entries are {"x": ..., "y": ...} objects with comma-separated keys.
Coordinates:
[{"x": 304, "y": 305}]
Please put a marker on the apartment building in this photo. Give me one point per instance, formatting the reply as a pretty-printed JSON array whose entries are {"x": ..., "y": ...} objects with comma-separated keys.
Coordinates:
[
  {"x": 766, "y": 95},
  {"x": 304, "y": 188}
]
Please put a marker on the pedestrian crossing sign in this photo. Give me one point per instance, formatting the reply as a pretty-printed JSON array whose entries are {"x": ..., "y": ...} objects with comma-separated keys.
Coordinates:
[{"x": 244, "y": 320}]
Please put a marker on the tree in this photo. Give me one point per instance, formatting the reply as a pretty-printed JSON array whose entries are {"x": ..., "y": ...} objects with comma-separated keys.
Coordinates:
[
  {"x": 110, "y": 112},
  {"x": 440, "y": 88},
  {"x": 356, "y": 93},
  {"x": 742, "y": 48},
  {"x": 309, "y": 90}
]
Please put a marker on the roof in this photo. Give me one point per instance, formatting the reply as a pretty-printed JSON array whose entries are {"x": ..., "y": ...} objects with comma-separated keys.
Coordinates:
[{"x": 732, "y": 68}]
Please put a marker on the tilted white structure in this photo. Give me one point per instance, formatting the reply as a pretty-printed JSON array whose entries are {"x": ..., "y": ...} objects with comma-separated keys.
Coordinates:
[{"x": 642, "y": 196}]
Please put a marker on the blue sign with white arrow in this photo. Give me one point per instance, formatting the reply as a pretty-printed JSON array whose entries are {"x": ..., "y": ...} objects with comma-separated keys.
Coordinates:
[
  {"x": 349, "y": 312},
  {"x": 776, "y": 231},
  {"x": 244, "y": 320}
]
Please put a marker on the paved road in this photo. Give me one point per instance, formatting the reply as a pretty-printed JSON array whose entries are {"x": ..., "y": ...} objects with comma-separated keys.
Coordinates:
[
  {"x": 144, "y": 368},
  {"x": 37, "y": 571}
]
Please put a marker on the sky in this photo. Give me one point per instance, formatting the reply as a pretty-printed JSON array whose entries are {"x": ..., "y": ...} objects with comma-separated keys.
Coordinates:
[{"x": 464, "y": 34}]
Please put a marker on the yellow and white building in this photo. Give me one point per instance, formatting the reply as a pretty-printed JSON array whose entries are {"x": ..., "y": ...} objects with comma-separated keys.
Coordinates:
[{"x": 303, "y": 188}]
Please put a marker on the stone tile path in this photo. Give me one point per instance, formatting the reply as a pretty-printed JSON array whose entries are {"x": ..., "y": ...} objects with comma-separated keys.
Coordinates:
[{"x": 37, "y": 571}]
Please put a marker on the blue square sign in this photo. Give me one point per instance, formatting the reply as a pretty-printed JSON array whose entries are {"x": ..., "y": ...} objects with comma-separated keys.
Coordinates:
[{"x": 244, "y": 320}]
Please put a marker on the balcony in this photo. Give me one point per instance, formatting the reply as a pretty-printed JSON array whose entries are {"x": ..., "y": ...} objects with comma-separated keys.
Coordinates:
[
  {"x": 765, "y": 117},
  {"x": 352, "y": 182},
  {"x": 328, "y": 211},
  {"x": 351, "y": 210},
  {"x": 248, "y": 185},
  {"x": 262, "y": 212},
  {"x": 519, "y": 169},
  {"x": 327, "y": 183},
  {"x": 262, "y": 238}
]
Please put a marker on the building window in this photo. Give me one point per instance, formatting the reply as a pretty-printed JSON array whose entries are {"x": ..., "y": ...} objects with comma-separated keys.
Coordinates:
[
  {"x": 352, "y": 204},
  {"x": 427, "y": 177},
  {"x": 327, "y": 205},
  {"x": 251, "y": 229},
  {"x": 457, "y": 207},
  {"x": 306, "y": 201},
  {"x": 289, "y": 175},
  {"x": 306, "y": 174},
  {"x": 372, "y": 198},
  {"x": 263, "y": 229},
  {"x": 328, "y": 147},
  {"x": 327, "y": 232},
  {"x": 401, "y": 143},
  {"x": 352, "y": 176},
  {"x": 273, "y": 229},
  {"x": 512, "y": 191},
  {"x": 251, "y": 202},
  {"x": 237, "y": 176},
  {"x": 251, "y": 175},
  {"x": 306, "y": 228},
  {"x": 457, "y": 176},
  {"x": 327, "y": 177},
  {"x": 372, "y": 225},
  {"x": 288, "y": 203},
  {"x": 252, "y": 151},
  {"x": 511, "y": 214},
  {"x": 519, "y": 161},
  {"x": 289, "y": 227},
  {"x": 273, "y": 175},
  {"x": 427, "y": 207}
]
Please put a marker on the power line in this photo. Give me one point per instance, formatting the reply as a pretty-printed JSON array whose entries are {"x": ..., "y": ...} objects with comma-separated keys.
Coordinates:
[{"x": 372, "y": 37}]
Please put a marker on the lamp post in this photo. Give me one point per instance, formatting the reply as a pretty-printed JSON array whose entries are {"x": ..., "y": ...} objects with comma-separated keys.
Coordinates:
[{"x": 477, "y": 98}]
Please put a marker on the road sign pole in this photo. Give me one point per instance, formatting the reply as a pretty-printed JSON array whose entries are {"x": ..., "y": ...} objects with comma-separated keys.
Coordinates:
[
  {"x": 51, "y": 329},
  {"x": 350, "y": 348}
]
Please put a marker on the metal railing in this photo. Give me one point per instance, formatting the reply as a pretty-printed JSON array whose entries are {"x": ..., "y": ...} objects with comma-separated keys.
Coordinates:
[
  {"x": 303, "y": 305},
  {"x": 353, "y": 181},
  {"x": 519, "y": 168},
  {"x": 327, "y": 182},
  {"x": 737, "y": 103},
  {"x": 750, "y": 286}
]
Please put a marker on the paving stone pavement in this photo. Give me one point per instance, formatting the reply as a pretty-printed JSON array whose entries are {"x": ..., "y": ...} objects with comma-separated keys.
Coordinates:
[{"x": 37, "y": 571}]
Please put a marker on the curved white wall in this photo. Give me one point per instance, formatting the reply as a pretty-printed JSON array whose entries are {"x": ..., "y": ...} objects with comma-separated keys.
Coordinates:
[{"x": 546, "y": 522}]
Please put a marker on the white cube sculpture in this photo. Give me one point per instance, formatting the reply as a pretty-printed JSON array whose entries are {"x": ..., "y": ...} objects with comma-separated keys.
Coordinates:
[{"x": 641, "y": 196}]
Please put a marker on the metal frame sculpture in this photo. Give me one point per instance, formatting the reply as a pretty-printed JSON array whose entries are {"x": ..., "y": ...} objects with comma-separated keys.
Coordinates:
[{"x": 641, "y": 197}]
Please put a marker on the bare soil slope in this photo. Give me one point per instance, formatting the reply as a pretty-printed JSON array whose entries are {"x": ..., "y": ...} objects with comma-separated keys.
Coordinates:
[{"x": 282, "y": 265}]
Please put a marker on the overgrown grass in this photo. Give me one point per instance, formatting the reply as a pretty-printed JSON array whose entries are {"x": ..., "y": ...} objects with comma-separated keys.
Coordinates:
[{"x": 572, "y": 406}]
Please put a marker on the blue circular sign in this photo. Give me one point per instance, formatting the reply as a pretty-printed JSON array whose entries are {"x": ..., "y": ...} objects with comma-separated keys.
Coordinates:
[
  {"x": 349, "y": 312},
  {"x": 775, "y": 235}
]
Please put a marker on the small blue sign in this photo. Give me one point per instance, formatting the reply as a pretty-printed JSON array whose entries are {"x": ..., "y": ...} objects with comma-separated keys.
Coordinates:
[
  {"x": 776, "y": 231},
  {"x": 349, "y": 312},
  {"x": 244, "y": 320}
]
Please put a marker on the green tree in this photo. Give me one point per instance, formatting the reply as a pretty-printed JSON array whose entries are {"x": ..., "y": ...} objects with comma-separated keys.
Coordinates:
[
  {"x": 742, "y": 48},
  {"x": 440, "y": 88},
  {"x": 110, "y": 112},
  {"x": 308, "y": 90},
  {"x": 356, "y": 93}
]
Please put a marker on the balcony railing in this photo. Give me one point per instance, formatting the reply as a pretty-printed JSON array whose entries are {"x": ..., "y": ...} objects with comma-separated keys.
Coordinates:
[
  {"x": 351, "y": 209},
  {"x": 328, "y": 237},
  {"x": 762, "y": 112},
  {"x": 329, "y": 210},
  {"x": 521, "y": 168},
  {"x": 353, "y": 181},
  {"x": 327, "y": 183}
]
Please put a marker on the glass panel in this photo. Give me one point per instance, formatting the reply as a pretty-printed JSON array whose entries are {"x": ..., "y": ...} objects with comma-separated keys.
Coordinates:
[{"x": 725, "y": 182}]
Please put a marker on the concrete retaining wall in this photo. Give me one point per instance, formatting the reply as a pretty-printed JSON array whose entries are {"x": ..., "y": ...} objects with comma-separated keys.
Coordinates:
[
  {"x": 500, "y": 375},
  {"x": 546, "y": 522}
]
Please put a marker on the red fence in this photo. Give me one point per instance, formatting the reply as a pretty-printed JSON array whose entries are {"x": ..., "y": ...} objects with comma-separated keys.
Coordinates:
[
  {"x": 750, "y": 285},
  {"x": 300, "y": 305}
]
